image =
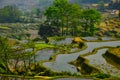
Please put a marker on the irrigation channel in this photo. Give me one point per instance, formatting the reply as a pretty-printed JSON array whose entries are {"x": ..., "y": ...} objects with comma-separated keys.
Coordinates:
[{"x": 61, "y": 62}]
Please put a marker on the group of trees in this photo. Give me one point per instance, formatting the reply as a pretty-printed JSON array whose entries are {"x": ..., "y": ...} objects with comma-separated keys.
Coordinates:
[
  {"x": 70, "y": 19},
  {"x": 4, "y": 53},
  {"x": 9, "y": 14},
  {"x": 12, "y": 14},
  {"x": 16, "y": 60}
]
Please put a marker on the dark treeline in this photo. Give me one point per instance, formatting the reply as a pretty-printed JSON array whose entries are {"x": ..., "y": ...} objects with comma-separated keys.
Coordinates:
[
  {"x": 9, "y": 14},
  {"x": 12, "y": 14}
]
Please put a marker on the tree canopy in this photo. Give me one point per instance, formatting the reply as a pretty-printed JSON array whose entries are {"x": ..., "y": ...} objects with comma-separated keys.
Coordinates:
[
  {"x": 89, "y": 18},
  {"x": 68, "y": 18},
  {"x": 9, "y": 14},
  {"x": 62, "y": 14}
]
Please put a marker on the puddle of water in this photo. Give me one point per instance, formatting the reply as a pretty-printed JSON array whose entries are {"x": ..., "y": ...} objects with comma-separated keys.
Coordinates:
[
  {"x": 44, "y": 54},
  {"x": 90, "y": 38},
  {"x": 108, "y": 38},
  {"x": 95, "y": 38},
  {"x": 65, "y": 41}
]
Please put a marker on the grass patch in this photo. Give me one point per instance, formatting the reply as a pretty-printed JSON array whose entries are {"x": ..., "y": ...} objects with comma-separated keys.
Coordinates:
[
  {"x": 57, "y": 38},
  {"x": 115, "y": 51},
  {"x": 4, "y": 27},
  {"x": 101, "y": 75},
  {"x": 12, "y": 42},
  {"x": 43, "y": 46}
]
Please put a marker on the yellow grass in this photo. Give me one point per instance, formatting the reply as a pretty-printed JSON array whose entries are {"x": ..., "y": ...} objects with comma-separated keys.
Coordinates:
[{"x": 115, "y": 51}]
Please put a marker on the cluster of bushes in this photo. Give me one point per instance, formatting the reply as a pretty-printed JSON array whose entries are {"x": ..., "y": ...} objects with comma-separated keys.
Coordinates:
[{"x": 101, "y": 75}]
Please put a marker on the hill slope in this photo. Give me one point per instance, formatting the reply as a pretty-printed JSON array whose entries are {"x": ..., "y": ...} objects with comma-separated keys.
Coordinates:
[
  {"x": 30, "y": 4},
  {"x": 26, "y": 4}
]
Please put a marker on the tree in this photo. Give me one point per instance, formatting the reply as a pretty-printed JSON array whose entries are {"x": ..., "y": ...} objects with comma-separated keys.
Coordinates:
[
  {"x": 20, "y": 54},
  {"x": 74, "y": 17},
  {"x": 45, "y": 30},
  {"x": 61, "y": 13},
  {"x": 37, "y": 12},
  {"x": 5, "y": 52},
  {"x": 89, "y": 18},
  {"x": 52, "y": 14},
  {"x": 9, "y": 14}
]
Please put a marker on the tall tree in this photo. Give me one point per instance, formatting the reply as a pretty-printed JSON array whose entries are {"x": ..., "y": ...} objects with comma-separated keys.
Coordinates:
[
  {"x": 61, "y": 13},
  {"x": 74, "y": 18},
  {"x": 89, "y": 18},
  {"x": 5, "y": 52}
]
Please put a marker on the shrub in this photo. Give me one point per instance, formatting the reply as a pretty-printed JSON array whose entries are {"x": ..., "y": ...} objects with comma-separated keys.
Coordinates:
[
  {"x": 102, "y": 75},
  {"x": 2, "y": 70},
  {"x": 81, "y": 44},
  {"x": 37, "y": 39},
  {"x": 2, "y": 65},
  {"x": 118, "y": 46}
]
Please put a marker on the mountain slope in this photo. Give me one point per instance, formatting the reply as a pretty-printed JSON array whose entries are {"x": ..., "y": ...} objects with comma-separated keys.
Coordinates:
[
  {"x": 26, "y": 4},
  {"x": 30, "y": 4}
]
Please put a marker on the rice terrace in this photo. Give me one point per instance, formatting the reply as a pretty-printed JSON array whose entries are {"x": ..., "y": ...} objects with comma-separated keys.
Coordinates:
[{"x": 59, "y": 39}]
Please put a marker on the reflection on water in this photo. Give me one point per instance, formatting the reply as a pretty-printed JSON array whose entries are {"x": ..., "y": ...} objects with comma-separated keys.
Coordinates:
[
  {"x": 96, "y": 38},
  {"x": 44, "y": 54},
  {"x": 65, "y": 41},
  {"x": 98, "y": 61},
  {"x": 108, "y": 38},
  {"x": 90, "y": 38}
]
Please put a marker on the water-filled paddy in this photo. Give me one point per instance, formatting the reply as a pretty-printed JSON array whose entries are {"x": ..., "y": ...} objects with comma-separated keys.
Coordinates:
[
  {"x": 98, "y": 61},
  {"x": 61, "y": 62}
]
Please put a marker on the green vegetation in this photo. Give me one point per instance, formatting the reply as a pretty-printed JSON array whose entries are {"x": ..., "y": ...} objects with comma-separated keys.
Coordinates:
[
  {"x": 67, "y": 19},
  {"x": 18, "y": 61},
  {"x": 5, "y": 53},
  {"x": 43, "y": 46},
  {"x": 3, "y": 27},
  {"x": 89, "y": 19},
  {"x": 9, "y": 14},
  {"x": 101, "y": 75}
]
